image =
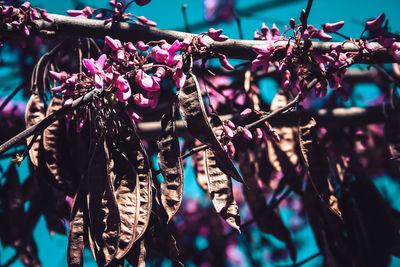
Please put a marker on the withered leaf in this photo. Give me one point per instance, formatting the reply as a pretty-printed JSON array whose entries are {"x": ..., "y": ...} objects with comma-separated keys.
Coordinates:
[
  {"x": 170, "y": 163},
  {"x": 103, "y": 209},
  {"x": 220, "y": 189},
  {"x": 34, "y": 114},
  {"x": 57, "y": 157},
  {"x": 315, "y": 161},
  {"x": 195, "y": 117}
]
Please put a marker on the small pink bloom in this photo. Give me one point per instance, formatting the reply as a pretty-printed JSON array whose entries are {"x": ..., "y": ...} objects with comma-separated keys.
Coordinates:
[
  {"x": 45, "y": 15},
  {"x": 130, "y": 47},
  {"x": 247, "y": 134},
  {"x": 123, "y": 96},
  {"x": 202, "y": 42},
  {"x": 213, "y": 33},
  {"x": 159, "y": 54},
  {"x": 114, "y": 44},
  {"x": 375, "y": 24},
  {"x": 142, "y": 101},
  {"x": 59, "y": 88},
  {"x": 231, "y": 150},
  {"x": 146, "y": 21},
  {"x": 120, "y": 55},
  {"x": 34, "y": 14},
  {"x": 230, "y": 124},
  {"x": 245, "y": 112},
  {"x": 146, "y": 81},
  {"x": 58, "y": 76},
  {"x": 101, "y": 15},
  {"x": 26, "y": 31},
  {"x": 179, "y": 77},
  {"x": 68, "y": 102},
  {"x": 142, "y": 46},
  {"x": 259, "y": 135},
  {"x": 228, "y": 132},
  {"x": 333, "y": 27},
  {"x": 96, "y": 69},
  {"x": 160, "y": 73},
  {"x": 221, "y": 38},
  {"x": 322, "y": 36},
  {"x": 175, "y": 46},
  {"x": 224, "y": 62},
  {"x": 25, "y": 6}
]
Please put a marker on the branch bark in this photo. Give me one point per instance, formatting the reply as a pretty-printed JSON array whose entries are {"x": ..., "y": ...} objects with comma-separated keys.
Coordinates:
[
  {"x": 334, "y": 118},
  {"x": 239, "y": 49}
]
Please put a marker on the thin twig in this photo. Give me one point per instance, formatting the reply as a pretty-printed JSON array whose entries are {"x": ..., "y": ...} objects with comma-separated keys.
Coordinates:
[
  {"x": 303, "y": 261},
  {"x": 8, "y": 99},
  {"x": 185, "y": 18}
]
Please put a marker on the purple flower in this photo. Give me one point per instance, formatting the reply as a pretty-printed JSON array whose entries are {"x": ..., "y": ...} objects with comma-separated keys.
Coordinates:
[
  {"x": 87, "y": 13},
  {"x": 58, "y": 76},
  {"x": 45, "y": 15},
  {"x": 146, "y": 21},
  {"x": 25, "y": 6},
  {"x": 333, "y": 27},
  {"x": 224, "y": 62},
  {"x": 142, "y": 46},
  {"x": 96, "y": 69},
  {"x": 159, "y": 54},
  {"x": 247, "y": 134},
  {"x": 228, "y": 132},
  {"x": 322, "y": 36},
  {"x": 146, "y": 81},
  {"x": 114, "y": 44},
  {"x": 245, "y": 112},
  {"x": 143, "y": 101},
  {"x": 130, "y": 47},
  {"x": 375, "y": 24},
  {"x": 216, "y": 35}
]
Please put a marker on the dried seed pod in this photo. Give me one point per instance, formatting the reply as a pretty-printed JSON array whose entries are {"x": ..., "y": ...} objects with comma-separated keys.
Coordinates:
[
  {"x": 56, "y": 153},
  {"x": 220, "y": 189},
  {"x": 76, "y": 234},
  {"x": 170, "y": 163},
  {"x": 34, "y": 114},
  {"x": 194, "y": 115}
]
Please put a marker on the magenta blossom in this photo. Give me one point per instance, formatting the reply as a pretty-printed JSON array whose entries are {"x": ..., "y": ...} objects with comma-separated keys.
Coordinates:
[
  {"x": 375, "y": 24},
  {"x": 147, "y": 82},
  {"x": 123, "y": 92},
  {"x": 87, "y": 13},
  {"x": 96, "y": 69},
  {"x": 333, "y": 27}
]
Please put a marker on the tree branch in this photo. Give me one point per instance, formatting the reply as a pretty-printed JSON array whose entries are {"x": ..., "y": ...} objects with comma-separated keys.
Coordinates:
[
  {"x": 49, "y": 120},
  {"x": 240, "y": 49},
  {"x": 334, "y": 118}
]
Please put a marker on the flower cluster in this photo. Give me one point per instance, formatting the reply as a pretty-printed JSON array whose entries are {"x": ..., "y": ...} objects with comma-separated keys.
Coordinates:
[
  {"x": 117, "y": 13},
  {"x": 22, "y": 17},
  {"x": 132, "y": 73},
  {"x": 302, "y": 63}
]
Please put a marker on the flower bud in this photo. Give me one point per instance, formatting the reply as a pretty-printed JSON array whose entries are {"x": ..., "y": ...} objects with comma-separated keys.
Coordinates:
[
  {"x": 245, "y": 112},
  {"x": 375, "y": 24},
  {"x": 333, "y": 27}
]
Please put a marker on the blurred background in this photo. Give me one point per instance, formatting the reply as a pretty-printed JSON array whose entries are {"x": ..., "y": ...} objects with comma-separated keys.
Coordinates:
[{"x": 252, "y": 247}]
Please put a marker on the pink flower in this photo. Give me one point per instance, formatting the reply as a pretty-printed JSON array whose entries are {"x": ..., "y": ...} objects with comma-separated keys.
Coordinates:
[
  {"x": 142, "y": 46},
  {"x": 245, "y": 112},
  {"x": 146, "y": 21},
  {"x": 159, "y": 54},
  {"x": 228, "y": 132},
  {"x": 45, "y": 15},
  {"x": 247, "y": 134},
  {"x": 58, "y": 76},
  {"x": 143, "y": 101},
  {"x": 333, "y": 27},
  {"x": 146, "y": 81},
  {"x": 87, "y": 12},
  {"x": 224, "y": 62},
  {"x": 130, "y": 47},
  {"x": 96, "y": 69},
  {"x": 322, "y": 36},
  {"x": 114, "y": 44},
  {"x": 216, "y": 35},
  {"x": 375, "y": 24}
]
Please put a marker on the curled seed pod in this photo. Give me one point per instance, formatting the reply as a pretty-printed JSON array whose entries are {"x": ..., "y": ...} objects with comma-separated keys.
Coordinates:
[
  {"x": 170, "y": 162},
  {"x": 194, "y": 115},
  {"x": 34, "y": 113}
]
